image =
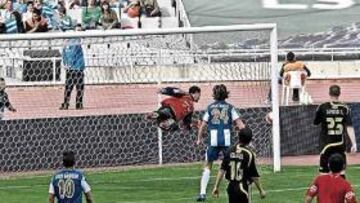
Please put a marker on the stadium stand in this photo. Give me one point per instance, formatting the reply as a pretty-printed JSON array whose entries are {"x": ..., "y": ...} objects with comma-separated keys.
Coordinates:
[
  {"x": 167, "y": 7},
  {"x": 337, "y": 37}
]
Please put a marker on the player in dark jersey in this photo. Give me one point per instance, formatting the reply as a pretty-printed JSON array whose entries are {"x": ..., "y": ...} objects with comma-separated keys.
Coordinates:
[
  {"x": 67, "y": 185},
  {"x": 334, "y": 118},
  {"x": 331, "y": 188},
  {"x": 176, "y": 111},
  {"x": 220, "y": 118},
  {"x": 240, "y": 170}
]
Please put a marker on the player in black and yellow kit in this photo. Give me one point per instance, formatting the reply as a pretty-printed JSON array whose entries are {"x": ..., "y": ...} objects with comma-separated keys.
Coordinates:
[
  {"x": 240, "y": 170},
  {"x": 335, "y": 120}
]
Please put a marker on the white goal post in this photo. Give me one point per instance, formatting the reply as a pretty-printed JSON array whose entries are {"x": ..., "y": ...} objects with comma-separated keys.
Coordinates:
[{"x": 6, "y": 41}]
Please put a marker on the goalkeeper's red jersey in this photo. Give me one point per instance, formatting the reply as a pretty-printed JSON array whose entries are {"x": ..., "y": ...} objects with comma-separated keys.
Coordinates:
[
  {"x": 181, "y": 106},
  {"x": 332, "y": 188}
]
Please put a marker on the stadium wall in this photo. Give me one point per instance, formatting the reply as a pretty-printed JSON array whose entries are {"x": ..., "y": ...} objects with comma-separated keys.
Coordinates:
[
  {"x": 175, "y": 71},
  {"x": 117, "y": 140}
]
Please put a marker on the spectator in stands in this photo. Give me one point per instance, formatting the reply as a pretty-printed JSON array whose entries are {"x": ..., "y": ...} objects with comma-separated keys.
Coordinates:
[
  {"x": 150, "y": 8},
  {"x": 100, "y": 2},
  {"x": 91, "y": 15},
  {"x": 61, "y": 3},
  {"x": 332, "y": 187},
  {"x": 15, "y": 24},
  {"x": 38, "y": 4},
  {"x": 8, "y": 6},
  {"x": 29, "y": 11},
  {"x": 48, "y": 11},
  {"x": 292, "y": 64},
  {"x": 74, "y": 63},
  {"x": 109, "y": 18},
  {"x": 65, "y": 20},
  {"x": 20, "y": 6},
  {"x": 75, "y": 4},
  {"x": 37, "y": 23},
  {"x": 133, "y": 9},
  {"x": 4, "y": 100}
]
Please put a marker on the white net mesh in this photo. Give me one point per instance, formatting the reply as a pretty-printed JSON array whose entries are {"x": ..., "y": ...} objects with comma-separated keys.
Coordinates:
[{"x": 122, "y": 75}]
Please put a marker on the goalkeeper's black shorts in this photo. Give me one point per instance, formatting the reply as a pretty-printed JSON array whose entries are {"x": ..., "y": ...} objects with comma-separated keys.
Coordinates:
[{"x": 165, "y": 113}]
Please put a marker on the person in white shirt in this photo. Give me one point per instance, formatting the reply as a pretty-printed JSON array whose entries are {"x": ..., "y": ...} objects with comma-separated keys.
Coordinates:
[{"x": 30, "y": 9}]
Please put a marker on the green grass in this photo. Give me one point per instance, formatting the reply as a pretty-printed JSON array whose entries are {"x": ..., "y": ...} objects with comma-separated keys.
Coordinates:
[{"x": 167, "y": 185}]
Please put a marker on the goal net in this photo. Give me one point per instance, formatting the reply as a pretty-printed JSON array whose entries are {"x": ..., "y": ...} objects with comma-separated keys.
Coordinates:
[{"x": 123, "y": 71}]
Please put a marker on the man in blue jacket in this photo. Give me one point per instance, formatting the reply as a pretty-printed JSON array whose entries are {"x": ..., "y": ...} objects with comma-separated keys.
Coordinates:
[{"x": 73, "y": 61}]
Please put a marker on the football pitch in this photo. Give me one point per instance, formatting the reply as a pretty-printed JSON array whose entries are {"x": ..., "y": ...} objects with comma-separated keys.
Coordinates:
[{"x": 167, "y": 185}]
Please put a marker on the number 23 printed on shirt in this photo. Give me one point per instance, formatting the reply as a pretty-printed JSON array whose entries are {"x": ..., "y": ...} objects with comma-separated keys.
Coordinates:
[{"x": 218, "y": 116}]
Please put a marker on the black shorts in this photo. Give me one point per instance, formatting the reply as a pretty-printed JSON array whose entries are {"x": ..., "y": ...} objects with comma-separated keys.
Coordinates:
[
  {"x": 325, "y": 154},
  {"x": 165, "y": 113},
  {"x": 238, "y": 192}
]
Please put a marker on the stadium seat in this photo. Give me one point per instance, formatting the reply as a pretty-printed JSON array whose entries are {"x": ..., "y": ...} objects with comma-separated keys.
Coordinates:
[
  {"x": 294, "y": 83},
  {"x": 169, "y": 22},
  {"x": 75, "y": 14},
  {"x": 129, "y": 23},
  {"x": 150, "y": 23},
  {"x": 165, "y": 3},
  {"x": 166, "y": 8},
  {"x": 167, "y": 12}
]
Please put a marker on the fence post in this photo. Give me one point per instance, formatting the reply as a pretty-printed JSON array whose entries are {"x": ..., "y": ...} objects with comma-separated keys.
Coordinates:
[
  {"x": 160, "y": 141},
  {"x": 54, "y": 69}
]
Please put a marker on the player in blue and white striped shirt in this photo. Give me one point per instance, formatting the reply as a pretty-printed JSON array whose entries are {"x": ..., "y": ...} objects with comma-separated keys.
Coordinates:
[
  {"x": 219, "y": 119},
  {"x": 69, "y": 184}
]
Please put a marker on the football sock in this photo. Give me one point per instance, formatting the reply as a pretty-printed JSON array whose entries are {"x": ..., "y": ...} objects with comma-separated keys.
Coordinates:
[{"x": 204, "y": 181}]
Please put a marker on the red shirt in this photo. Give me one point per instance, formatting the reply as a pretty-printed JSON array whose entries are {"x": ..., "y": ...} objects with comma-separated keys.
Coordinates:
[
  {"x": 181, "y": 106},
  {"x": 331, "y": 188}
]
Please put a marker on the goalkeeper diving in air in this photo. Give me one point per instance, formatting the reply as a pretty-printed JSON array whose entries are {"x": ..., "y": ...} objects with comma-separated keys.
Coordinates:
[{"x": 176, "y": 111}]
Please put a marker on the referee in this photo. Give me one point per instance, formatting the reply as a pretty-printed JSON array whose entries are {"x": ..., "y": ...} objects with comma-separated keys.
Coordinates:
[{"x": 240, "y": 170}]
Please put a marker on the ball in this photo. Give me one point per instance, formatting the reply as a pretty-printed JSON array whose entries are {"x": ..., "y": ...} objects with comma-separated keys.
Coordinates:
[{"x": 269, "y": 118}]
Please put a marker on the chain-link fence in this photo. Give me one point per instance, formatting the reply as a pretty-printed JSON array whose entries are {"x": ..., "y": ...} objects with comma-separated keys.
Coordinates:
[{"x": 115, "y": 58}]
